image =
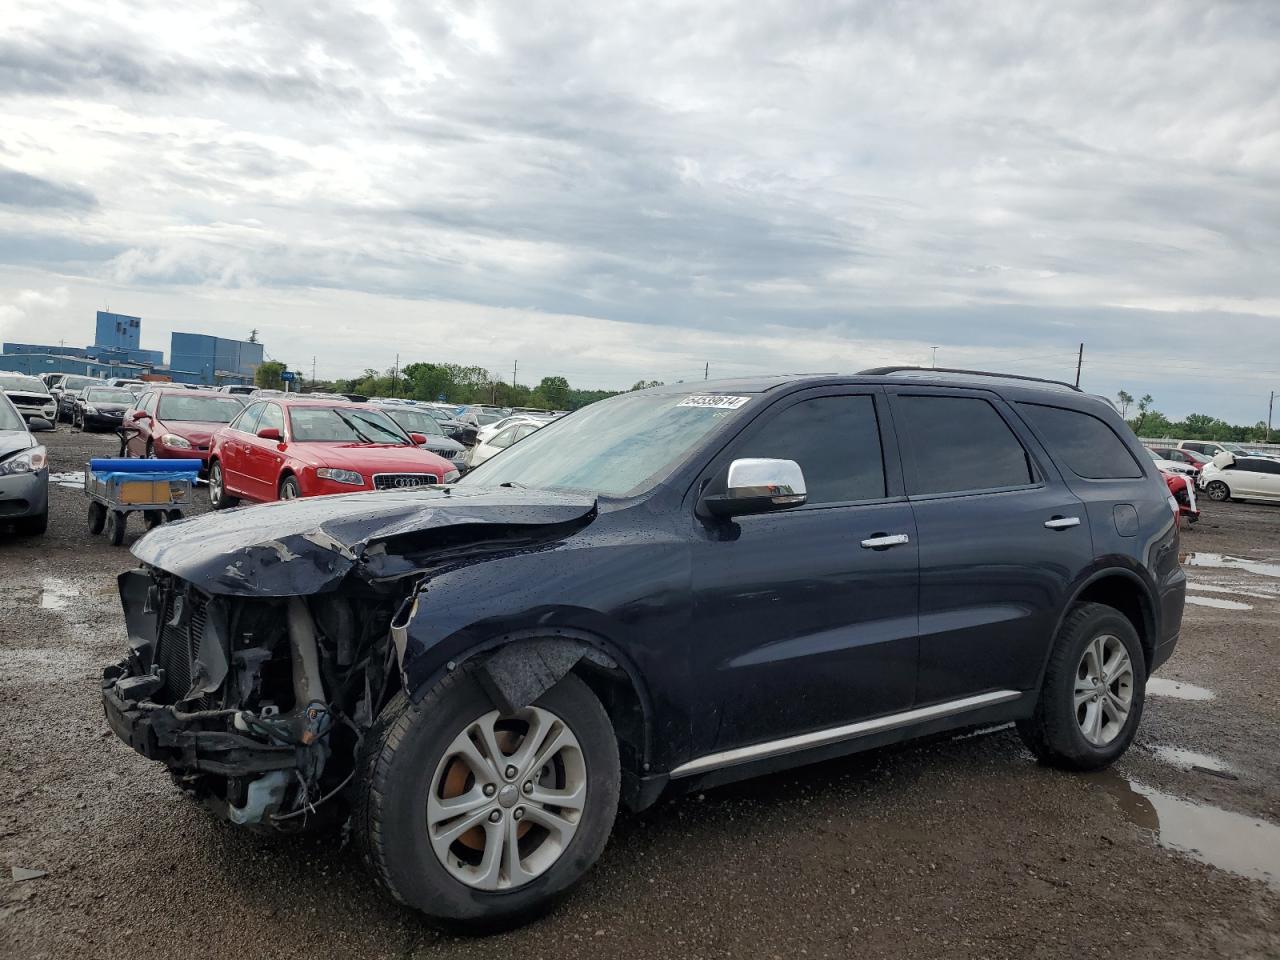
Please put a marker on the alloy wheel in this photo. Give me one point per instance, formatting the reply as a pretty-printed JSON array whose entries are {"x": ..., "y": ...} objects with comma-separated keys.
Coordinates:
[
  {"x": 1218, "y": 491},
  {"x": 215, "y": 485},
  {"x": 507, "y": 798},
  {"x": 1103, "y": 689}
]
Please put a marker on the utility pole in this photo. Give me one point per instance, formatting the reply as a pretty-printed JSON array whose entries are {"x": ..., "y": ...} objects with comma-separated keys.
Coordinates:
[
  {"x": 935, "y": 358},
  {"x": 706, "y": 371},
  {"x": 395, "y": 375},
  {"x": 515, "y": 365},
  {"x": 313, "y": 372},
  {"x": 1079, "y": 364},
  {"x": 1270, "y": 404}
]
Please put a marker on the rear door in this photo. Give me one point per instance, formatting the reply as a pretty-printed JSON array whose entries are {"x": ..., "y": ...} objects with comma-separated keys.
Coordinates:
[
  {"x": 805, "y": 619},
  {"x": 1001, "y": 540},
  {"x": 139, "y": 430},
  {"x": 234, "y": 448}
]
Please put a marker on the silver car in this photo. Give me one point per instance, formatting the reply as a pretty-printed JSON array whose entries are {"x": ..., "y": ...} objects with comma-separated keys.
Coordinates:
[{"x": 24, "y": 472}]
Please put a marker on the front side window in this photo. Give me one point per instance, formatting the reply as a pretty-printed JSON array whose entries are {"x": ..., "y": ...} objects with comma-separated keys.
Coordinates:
[
  {"x": 836, "y": 442},
  {"x": 1089, "y": 447},
  {"x": 272, "y": 417},
  {"x": 959, "y": 444},
  {"x": 248, "y": 420},
  {"x": 1257, "y": 465},
  {"x": 10, "y": 419}
]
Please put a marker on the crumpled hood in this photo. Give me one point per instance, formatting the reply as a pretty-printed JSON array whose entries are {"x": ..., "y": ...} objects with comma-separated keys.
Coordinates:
[{"x": 305, "y": 546}]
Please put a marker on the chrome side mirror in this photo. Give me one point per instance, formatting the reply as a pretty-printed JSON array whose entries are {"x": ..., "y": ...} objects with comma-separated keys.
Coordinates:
[{"x": 758, "y": 485}]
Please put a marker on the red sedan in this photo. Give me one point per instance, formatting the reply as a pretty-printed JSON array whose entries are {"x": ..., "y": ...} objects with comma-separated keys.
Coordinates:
[
  {"x": 176, "y": 423},
  {"x": 279, "y": 449}
]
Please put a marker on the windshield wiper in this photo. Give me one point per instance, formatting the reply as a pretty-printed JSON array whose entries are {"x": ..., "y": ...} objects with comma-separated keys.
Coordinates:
[{"x": 358, "y": 432}]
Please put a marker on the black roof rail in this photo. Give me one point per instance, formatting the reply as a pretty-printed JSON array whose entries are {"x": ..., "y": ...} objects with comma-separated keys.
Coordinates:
[{"x": 887, "y": 371}]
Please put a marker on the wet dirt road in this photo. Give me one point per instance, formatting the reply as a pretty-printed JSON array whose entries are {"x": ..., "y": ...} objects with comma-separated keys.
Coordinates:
[{"x": 961, "y": 847}]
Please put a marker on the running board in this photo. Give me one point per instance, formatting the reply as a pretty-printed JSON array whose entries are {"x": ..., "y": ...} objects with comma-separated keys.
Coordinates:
[{"x": 850, "y": 731}]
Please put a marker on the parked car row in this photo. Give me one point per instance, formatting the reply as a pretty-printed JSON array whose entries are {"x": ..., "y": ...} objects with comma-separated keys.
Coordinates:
[
  {"x": 24, "y": 471},
  {"x": 1232, "y": 477}
]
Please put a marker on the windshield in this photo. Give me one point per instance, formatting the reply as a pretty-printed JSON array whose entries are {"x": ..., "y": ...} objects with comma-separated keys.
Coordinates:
[
  {"x": 620, "y": 447},
  {"x": 72, "y": 384},
  {"x": 344, "y": 425},
  {"x": 10, "y": 419},
  {"x": 108, "y": 395},
  {"x": 203, "y": 409},
  {"x": 415, "y": 421},
  {"x": 17, "y": 382}
]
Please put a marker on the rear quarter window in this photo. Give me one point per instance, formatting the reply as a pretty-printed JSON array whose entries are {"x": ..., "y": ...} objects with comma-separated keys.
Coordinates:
[{"x": 1087, "y": 445}]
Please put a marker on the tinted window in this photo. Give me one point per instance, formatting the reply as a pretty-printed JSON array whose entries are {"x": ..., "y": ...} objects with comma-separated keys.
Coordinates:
[
  {"x": 271, "y": 417},
  {"x": 10, "y": 419},
  {"x": 1088, "y": 447},
  {"x": 959, "y": 443},
  {"x": 1198, "y": 447},
  {"x": 1257, "y": 465},
  {"x": 836, "y": 441}
]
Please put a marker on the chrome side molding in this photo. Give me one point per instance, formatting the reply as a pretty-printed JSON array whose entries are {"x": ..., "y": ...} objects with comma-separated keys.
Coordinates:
[{"x": 850, "y": 731}]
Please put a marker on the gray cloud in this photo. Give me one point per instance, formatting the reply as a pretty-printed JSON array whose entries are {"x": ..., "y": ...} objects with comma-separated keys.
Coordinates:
[
  {"x": 19, "y": 189},
  {"x": 1011, "y": 182}
]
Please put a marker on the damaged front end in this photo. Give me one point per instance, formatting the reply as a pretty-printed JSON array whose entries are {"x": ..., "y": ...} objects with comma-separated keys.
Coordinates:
[
  {"x": 260, "y": 640},
  {"x": 257, "y": 706}
]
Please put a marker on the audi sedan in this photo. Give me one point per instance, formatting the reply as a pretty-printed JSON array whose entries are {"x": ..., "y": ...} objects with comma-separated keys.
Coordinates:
[{"x": 279, "y": 449}]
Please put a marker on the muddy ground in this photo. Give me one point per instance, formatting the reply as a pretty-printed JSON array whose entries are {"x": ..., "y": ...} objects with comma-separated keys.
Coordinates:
[{"x": 962, "y": 847}]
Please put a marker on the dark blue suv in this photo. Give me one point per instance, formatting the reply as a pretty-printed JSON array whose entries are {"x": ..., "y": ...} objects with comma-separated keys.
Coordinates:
[{"x": 671, "y": 588}]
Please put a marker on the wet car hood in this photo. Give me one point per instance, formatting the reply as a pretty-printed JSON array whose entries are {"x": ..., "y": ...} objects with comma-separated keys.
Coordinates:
[
  {"x": 11, "y": 441},
  {"x": 300, "y": 547}
]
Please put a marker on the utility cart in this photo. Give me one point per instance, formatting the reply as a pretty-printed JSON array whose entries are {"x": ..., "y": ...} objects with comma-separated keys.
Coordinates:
[{"x": 158, "y": 489}]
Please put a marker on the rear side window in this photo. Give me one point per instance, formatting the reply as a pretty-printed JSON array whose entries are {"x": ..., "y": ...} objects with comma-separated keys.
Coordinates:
[
  {"x": 836, "y": 441},
  {"x": 1087, "y": 445},
  {"x": 1258, "y": 465},
  {"x": 959, "y": 444}
]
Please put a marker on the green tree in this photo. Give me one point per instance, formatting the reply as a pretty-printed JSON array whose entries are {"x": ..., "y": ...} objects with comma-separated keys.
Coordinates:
[
  {"x": 270, "y": 375},
  {"x": 1144, "y": 404},
  {"x": 1126, "y": 401},
  {"x": 554, "y": 391},
  {"x": 645, "y": 384}
]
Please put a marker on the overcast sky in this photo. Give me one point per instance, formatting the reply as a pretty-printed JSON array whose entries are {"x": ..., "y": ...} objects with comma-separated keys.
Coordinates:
[{"x": 617, "y": 191}]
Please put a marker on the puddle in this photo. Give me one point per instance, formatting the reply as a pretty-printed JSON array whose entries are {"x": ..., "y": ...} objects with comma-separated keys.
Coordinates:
[
  {"x": 1186, "y": 759},
  {"x": 56, "y": 594},
  {"x": 1217, "y": 603},
  {"x": 1222, "y": 561},
  {"x": 1199, "y": 587},
  {"x": 73, "y": 479},
  {"x": 1164, "y": 687},
  {"x": 1220, "y": 838}
]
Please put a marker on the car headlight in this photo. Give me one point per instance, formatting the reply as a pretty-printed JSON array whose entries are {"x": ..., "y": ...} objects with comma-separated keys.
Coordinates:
[
  {"x": 452, "y": 476},
  {"x": 175, "y": 441},
  {"x": 29, "y": 461},
  {"x": 341, "y": 476},
  {"x": 91, "y": 410}
]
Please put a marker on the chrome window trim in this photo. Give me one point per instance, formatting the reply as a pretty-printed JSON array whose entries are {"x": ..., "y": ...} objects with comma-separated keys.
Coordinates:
[{"x": 849, "y": 731}]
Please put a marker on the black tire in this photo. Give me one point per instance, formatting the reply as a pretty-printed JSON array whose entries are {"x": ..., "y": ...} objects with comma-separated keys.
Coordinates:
[
  {"x": 171, "y": 515},
  {"x": 289, "y": 489},
  {"x": 97, "y": 517},
  {"x": 400, "y": 756},
  {"x": 152, "y": 518},
  {"x": 150, "y": 452},
  {"x": 33, "y": 526},
  {"x": 219, "y": 499},
  {"x": 117, "y": 521},
  {"x": 1053, "y": 732},
  {"x": 1217, "y": 491}
]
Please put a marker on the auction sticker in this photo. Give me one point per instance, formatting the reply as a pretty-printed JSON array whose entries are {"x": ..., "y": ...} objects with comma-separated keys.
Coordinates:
[{"x": 713, "y": 402}]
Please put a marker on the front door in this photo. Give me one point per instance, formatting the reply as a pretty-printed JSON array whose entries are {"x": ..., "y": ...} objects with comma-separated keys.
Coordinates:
[
  {"x": 263, "y": 458},
  {"x": 805, "y": 618}
]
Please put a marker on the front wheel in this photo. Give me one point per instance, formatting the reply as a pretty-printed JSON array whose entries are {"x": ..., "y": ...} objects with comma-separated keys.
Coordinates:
[
  {"x": 1093, "y": 692},
  {"x": 483, "y": 820},
  {"x": 1218, "y": 491},
  {"x": 219, "y": 499},
  {"x": 289, "y": 489}
]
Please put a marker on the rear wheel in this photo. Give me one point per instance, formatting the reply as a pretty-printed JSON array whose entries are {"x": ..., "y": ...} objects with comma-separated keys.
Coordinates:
[
  {"x": 483, "y": 820},
  {"x": 219, "y": 499},
  {"x": 117, "y": 520},
  {"x": 97, "y": 517},
  {"x": 1217, "y": 490},
  {"x": 1093, "y": 693},
  {"x": 289, "y": 489}
]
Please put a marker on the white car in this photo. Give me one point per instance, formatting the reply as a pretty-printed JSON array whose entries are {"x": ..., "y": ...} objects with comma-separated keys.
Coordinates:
[
  {"x": 485, "y": 449},
  {"x": 1242, "y": 478},
  {"x": 492, "y": 430},
  {"x": 1172, "y": 466}
]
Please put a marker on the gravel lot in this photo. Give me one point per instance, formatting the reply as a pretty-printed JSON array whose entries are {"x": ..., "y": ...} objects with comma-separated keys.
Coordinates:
[{"x": 962, "y": 847}]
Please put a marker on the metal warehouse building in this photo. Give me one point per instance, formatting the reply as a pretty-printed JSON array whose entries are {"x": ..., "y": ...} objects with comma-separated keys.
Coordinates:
[{"x": 213, "y": 358}]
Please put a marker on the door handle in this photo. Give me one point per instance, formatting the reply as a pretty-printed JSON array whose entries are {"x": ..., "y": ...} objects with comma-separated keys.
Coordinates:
[
  {"x": 1062, "y": 523},
  {"x": 883, "y": 541}
]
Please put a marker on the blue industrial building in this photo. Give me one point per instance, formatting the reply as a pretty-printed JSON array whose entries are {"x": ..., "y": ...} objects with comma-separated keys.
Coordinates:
[
  {"x": 214, "y": 358},
  {"x": 193, "y": 357}
]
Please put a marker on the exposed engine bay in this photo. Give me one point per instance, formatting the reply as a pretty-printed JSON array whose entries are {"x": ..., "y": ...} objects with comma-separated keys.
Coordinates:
[{"x": 257, "y": 706}]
